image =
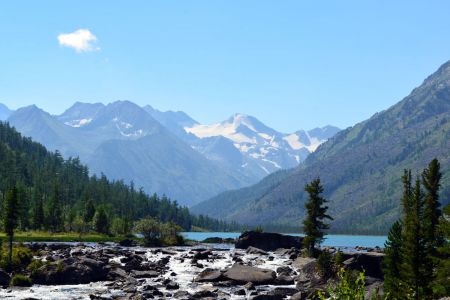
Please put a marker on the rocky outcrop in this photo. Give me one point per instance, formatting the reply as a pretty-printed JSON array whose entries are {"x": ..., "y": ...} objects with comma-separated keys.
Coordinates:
[
  {"x": 267, "y": 241},
  {"x": 71, "y": 271},
  {"x": 370, "y": 262},
  {"x": 209, "y": 275},
  {"x": 243, "y": 274}
]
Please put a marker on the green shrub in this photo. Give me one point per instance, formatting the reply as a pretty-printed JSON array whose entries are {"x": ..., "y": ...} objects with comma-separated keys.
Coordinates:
[
  {"x": 349, "y": 287},
  {"x": 156, "y": 233},
  {"x": 325, "y": 264},
  {"x": 338, "y": 261},
  {"x": 34, "y": 267},
  {"x": 21, "y": 257},
  {"x": 21, "y": 280},
  {"x": 59, "y": 267}
]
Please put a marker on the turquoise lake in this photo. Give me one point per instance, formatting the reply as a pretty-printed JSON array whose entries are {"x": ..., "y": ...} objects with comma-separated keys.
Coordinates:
[{"x": 335, "y": 240}]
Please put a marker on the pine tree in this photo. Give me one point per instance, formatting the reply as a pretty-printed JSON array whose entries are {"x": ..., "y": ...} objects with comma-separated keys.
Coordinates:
[
  {"x": 101, "y": 223},
  {"x": 431, "y": 178},
  {"x": 413, "y": 248},
  {"x": 441, "y": 283},
  {"x": 392, "y": 262},
  {"x": 10, "y": 217},
  {"x": 406, "y": 200},
  {"x": 89, "y": 210},
  {"x": 313, "y": 225}
]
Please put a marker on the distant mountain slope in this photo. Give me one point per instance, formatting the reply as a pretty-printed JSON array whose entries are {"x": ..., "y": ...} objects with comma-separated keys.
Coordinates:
[
  {"x": 5, "y": 112},
  {"x": 123, "y": 141},
  {"x": 360, "y": 167}
]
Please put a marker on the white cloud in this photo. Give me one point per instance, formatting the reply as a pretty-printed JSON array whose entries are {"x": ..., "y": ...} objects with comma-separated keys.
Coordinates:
[{"x": 82, "y": 40}]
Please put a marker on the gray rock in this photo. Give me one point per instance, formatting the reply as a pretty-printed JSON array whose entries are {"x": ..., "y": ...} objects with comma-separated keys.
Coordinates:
[
  {"x": 171, "y": 285},
  {"x": 299, "y": 296},
  {"x": 209, "y": 275},
  {"x": 244, "y": 274},
  {"x": 284, "y": 280},
  {"x": 253, "y": 250}
]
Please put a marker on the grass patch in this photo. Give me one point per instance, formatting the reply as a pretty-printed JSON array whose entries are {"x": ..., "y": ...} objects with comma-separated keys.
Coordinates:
[{"x": 43, "y": 236}]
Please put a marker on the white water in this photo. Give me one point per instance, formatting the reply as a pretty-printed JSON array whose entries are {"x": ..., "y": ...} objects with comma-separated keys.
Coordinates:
[{"x": 185, "y": 274}]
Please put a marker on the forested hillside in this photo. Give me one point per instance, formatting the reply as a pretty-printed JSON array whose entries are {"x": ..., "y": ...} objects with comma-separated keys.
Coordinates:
[
  {"x": 57, "y": 194},
  {"x": 360, "y": 167}
]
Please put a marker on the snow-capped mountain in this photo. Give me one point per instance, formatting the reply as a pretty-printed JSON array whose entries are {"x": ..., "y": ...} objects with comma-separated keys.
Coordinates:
[
  {"x": 261, "y": 146},
  {"x": 168, "y": 152},
  {"x": 123, "y": 141}
]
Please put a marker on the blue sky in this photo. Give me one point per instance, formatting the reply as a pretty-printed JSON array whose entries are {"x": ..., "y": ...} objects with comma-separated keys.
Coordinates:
[{"x": 292, "y": 64}]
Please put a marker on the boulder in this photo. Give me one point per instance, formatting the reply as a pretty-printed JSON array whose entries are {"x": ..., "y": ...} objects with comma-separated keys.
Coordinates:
[
  {"x": 299, "y": 296},
  {"x": 202, "y": 255},
  {"x": 243, "y": 274},
  {"x": 209, "y": 275},
  {"x": 116, "y": 274},
  {"x": 253, "y": 250},
  {"x": 285, "y": 270},
  {"x": 370, "y": 262},
  {"x": 308, "y": 279},
  {"x": 71, "y": 271},
  {"x": 204, "y": 294},
  {"x": 172, "y": 285},
  {"x": 284, "y": 280},
  {"x": 267, "y": 241}
]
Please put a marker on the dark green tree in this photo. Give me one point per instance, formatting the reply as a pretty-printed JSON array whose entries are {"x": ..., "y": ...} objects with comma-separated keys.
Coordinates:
[
  {"x": 413, "y": 248},
  {"x": 101, "y": 223},
  {"x": 431, "y": 180},
  {"x": 10, "y": 218},
  {"x": 89, "y": 210},
  {"x": 441, "y": 283},
  {"x": 392, "y": 262},
  {"x": 316, "y": 212}
]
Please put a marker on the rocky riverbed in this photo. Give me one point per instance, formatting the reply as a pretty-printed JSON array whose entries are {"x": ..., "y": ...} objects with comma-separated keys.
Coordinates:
[{"x": 200, "y": 272}]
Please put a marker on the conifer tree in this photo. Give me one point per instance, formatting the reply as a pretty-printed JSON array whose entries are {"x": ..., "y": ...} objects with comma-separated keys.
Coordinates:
[
  {"x": 313, "y": 225},
  {"x": 392, "y": 262},
  {"x": 441, "y": 283},
  {"x": 89, "y": 209},
  {"x": 101, "y": 223},
  {"x": 10, "y": 217},
  {"x": 413, "y": 248},
  {"x": 431, "y": 178}
]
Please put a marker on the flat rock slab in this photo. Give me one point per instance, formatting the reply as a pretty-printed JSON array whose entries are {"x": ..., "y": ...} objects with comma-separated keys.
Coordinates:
[
  {"x": 244, "y": 274},
  {"x": 209, "y": 275}
]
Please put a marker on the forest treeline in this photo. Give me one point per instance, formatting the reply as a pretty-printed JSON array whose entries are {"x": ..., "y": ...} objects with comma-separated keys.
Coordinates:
[{"x": 58, "y": 194}]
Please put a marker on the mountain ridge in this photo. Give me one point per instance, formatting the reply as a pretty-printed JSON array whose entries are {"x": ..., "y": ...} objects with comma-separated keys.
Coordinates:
[
  {"x": 360, "y": 166},
  {"x": 110, "y": 138}
]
